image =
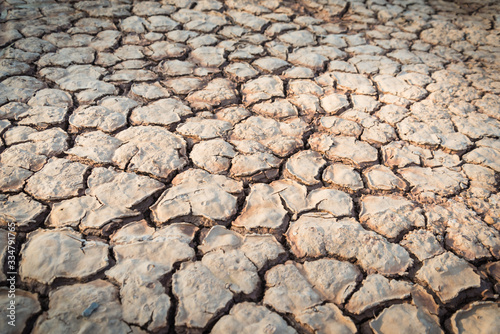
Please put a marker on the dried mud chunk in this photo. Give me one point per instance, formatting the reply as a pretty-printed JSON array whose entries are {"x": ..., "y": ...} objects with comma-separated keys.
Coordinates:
[
  {"x": 349, "y": 149},
  {"x": 68, "y": 306},
  {"x": 164, "y": 112},
  {"x": 305, "y": 167},
  {"x": 325, "y": 319},
  {"x": 240, "y": 71},
  {"x": 486, "y": 156},
  {"x": 298, "y": 38},
  {"x": 95, "y": 146},
  {"x": 262, "y": 88},
  {"x": 390, "y": 215},
  {"x": 58, "y": 179},
  {"x": 441, "y": 180},
  {"x": 209, "y": 56},
  {"x": 354, "y": 82},
  {"x": 97, "y": 117},
  {"x": 27, "y": 306},
  {"x": 263, "y": 209},
  {"x": 202, "y": 129},
  {"x": 288, "y": 291},
  {"x": 249, "y": 318},
  {"x": 375, "y": 290},
  {"x": 423, "y": 244},
  {"x": 261, "y": 249},
  {"x": 465, "y": 232},
  {"x": 199, "y": 195},
  {"x": 239, "y": 274},
  {"x": 201, "y": 295},
  {"x": 390, "y": 85},
  {"x": 213, "y": 155},
  {"x": 279, "y": 109},
  {"x": 448, "y": 275},
  {"x": 147, "y": 259},
  {"x": 479, "y": 317},
  {"x": 405, "y": 317},
  {"x": 380, "y": 177},
  {"x": 21, "y": 210},
  {"x": 145, "y": 305},
  {"x": 343, "y": 176},
  {"x": 65, "y": 255},
  {"x": 34, "y": 148},
  {"x": 317, "y": 236},
  {"x": 111, "y": 197},
  {"x": 152, "y": 150},
  {"x": 13, "y": 178},
  {"x": 335, "y": 280},
  {"x": 282, "y": 138},
  {"x": 257, "y": 166},
  {"x": 218, "y": 92}
]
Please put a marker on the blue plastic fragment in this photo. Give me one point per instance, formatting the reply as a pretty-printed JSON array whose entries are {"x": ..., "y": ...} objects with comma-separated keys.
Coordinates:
[{"x": 89, "y": 310}]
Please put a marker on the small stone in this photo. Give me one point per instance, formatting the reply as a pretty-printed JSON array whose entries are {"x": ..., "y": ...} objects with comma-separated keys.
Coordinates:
[
  {"x": 58, "y": 179},
  {"x": 248, "y": 318},
  {"x": 65, "y": 255},
  {"x": 375, "y": 290},
  {"x": 448, "y": 275},
  {"x": 405, "y": 317}
]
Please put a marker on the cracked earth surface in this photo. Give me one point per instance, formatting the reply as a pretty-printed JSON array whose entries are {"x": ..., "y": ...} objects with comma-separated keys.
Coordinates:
[{"x": 186, "y": 166}]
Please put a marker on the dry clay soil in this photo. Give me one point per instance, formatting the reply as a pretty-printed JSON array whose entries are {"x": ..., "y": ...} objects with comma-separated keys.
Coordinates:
[{"x": 314, "y": 166}]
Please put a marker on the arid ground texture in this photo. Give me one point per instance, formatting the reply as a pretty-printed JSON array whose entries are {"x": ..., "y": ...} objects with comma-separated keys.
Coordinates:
[{"x": 248, "y": 167}]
